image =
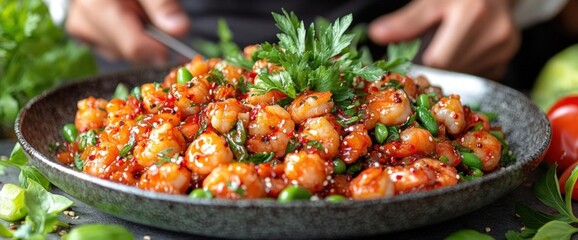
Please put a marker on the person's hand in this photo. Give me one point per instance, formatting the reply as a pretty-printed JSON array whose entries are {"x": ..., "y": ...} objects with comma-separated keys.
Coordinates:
[
  {"x": 115, "y": 27},
  {"x": 472, "y": 36}
]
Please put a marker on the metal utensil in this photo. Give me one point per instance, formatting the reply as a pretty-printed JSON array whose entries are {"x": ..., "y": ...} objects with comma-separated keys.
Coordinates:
[{"x": 170, "y": 41}]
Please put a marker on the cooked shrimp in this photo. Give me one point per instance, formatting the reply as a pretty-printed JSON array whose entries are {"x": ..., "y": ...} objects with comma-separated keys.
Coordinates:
[
  {"x": 270, "y": 129},
  {"x": 235, "y": 181},
  {"x": 207, "y": 152},
  {"x": 487, "y": 147},
  {"x": 322, "y": 130},
  {"x": 307, "y": 170},
  {"x": 117, "y": 133},
  {"x": 118, "y": 109},
  {"x": 371, "y": 183},
  {"x": 190, "y": 95},
  {"x": 164, "y": 141},
  {"x": 449, "y": 112},
  {"x": 167, "y": 178},
  {"x": 197, "y": 66},
  {"x": 231, "y": 74},
  {"x": 223, "y": 92},
  {"x": 408, "y": 83},
  {"x": 412, "y": 141},
  {"x": 447, "y": 150},
  {"x": 223, "y": 115},
  {"x": 91, "y": 114},
  {"x": 355, "y": 144},
  {"x": 423, "y": 174},
  {"x": 102, "y": 161},
  {"x": 310, "y": 104},
  {"x": 269, "y": 98},
  {"x": 154, "y": 98},
  {"x": 390, "y": 107}
]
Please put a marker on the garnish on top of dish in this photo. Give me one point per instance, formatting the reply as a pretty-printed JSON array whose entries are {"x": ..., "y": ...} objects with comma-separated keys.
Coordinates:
[{"x": 308, "y": 117}]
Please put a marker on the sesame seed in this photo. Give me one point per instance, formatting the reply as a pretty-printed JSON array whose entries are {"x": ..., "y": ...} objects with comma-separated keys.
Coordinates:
[
  {"x": 146, "y": 237},
  {"x": 488, "y": 229}
]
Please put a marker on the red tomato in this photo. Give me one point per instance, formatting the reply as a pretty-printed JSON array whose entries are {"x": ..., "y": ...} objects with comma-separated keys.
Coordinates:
[
  {"x": 565, "y": 177},
  {"x": 564, "y": 120}
]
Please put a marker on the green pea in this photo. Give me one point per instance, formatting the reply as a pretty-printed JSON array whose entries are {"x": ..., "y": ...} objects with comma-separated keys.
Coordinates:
[
  {"x": 339, "y": 166},
  {"x": 498, "y": 134},
  {"x": 444, "y": 159},
  {"x": 136, "y": 92},
  {"x": 183, "y": 75},
  {"x": 293, "y": 193},
  {"x": 335, "y": 198},
  {"x": 99, "y": 231},
  {"x": 12, "y": 206},
  {"x": 477, "y": 172},
  {"x": 427, "y": 120},
  {"x": 471, "y": 160},
  {"x": 70, "y": 132},
  {"x": 200, "y": 193},
  {"x": 423, "y": 101},
  {"x": 380, "y": 132}
]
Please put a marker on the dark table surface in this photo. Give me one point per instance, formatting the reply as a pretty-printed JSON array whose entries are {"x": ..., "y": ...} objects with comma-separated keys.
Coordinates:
[{"x": 494, "y": 219}]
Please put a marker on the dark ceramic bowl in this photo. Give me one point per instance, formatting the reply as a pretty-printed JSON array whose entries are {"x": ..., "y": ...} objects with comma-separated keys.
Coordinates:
[{"x": 526, "y": 127}]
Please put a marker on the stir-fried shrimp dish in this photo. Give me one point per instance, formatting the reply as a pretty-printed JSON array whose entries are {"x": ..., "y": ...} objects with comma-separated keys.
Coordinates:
[{"x": 304, "y": 118}]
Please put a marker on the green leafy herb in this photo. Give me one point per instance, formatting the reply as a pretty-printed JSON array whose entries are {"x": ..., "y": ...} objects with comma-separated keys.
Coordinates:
[
  {"x": 35, "y": 55},
  {"x": 43, "y": 208},
  {"x": 78, "y": 162},
  {"x": 540, "y": 225},
  {"x": 321, "y": 58},
  {"x": 216, "y": 76},
  {"x": 5, "y": 232},
  {"x": 86, "y": 138},
  {"x": 316, "y": 144},
  {"x": 399, "y": 56},
  {"x": 126, "y": 149},
  {"x": 555, "y": 230},
  {"x": 18, "y": 160},
  {"x": 393, "y": 133},
  {"x": 469, "y": 235},
  {"x": 99, "y": 231},
  {"x": 165, "y": 158},
  {"x": 121, "y": 92},
  {"x": 235, "y": 187},
  {"x": 353, "y": 169},
  {"x": 293, "y": 145},
  {"x": 262, "y": 157}
]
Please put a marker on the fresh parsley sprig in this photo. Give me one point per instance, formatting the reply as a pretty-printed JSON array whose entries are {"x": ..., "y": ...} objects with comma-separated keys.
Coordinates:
[{"x": 322, "y": 58}]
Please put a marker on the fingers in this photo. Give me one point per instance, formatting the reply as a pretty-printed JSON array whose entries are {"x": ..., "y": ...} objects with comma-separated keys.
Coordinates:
[
  {"x": 471, "y": 36},
  {"x": 167, "y": 15},
  {"x": 115, "y": 29},
  {"x": 406, "y": 23},
  {"x": 473, "y": 41}
]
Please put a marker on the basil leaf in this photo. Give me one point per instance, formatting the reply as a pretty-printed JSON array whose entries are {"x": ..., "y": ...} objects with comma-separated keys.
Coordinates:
[
  {"x": 531, "y": 218},
  {"x": 547, "y": 191},
  {"x": 569, "y": 187},
  {"x": 43, "y": 208},
  {"x": 18, "y": 156},
  {"x": 555, "y": 230},
  {"x": 5, "y": 232},
  {"x": 468, "y": 234},
  {"x": 527, "y": 233},
  {"x": 99, "y": 231},
  {"x": 28, "y": 173}
]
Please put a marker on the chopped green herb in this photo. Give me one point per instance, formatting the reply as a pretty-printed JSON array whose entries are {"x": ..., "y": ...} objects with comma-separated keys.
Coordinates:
[
  {"x": 78, "y": 162},
  {"x": 126, "y": 149}
]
